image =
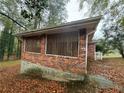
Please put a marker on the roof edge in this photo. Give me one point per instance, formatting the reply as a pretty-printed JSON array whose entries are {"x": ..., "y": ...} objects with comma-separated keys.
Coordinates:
[{"x": 97, "y": 18}]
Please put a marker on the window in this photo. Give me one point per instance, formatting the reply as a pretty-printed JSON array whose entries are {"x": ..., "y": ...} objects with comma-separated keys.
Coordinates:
[
  {"x": 65, "y": 44},
  {"x": 33, "y": 45}
]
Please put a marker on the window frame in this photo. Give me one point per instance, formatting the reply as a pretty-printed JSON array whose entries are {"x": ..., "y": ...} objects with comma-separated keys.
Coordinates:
[
  {"x": 29, "y": 51},
  {"x": 47, "y": 54}
]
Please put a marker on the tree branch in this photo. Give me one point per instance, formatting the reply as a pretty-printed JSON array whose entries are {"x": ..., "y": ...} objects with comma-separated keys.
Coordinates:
[{"x": 13, "y": 20}]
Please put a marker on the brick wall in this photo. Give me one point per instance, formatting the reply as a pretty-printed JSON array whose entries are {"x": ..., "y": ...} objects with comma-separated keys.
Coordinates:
[
  {"x": 91, "y": 51},
  {"x": 71, "y": 64}
]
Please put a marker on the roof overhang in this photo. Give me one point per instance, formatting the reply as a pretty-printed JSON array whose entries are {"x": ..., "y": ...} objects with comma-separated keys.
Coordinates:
[{"x": 89, "y": 23}]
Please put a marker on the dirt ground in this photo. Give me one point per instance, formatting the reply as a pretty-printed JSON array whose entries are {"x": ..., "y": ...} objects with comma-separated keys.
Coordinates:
[
  {"x": 12, "y": 82},
  {"x": 112, "y": 68}
]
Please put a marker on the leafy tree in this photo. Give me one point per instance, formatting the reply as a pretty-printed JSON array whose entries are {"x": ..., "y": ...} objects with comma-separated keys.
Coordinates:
[
  {"x": 44, "y": 12},
  {"x": 102, "y": 46},
  {"x": 8, "y": 9},
  {"x": 99, "y": 7},
  {"x": 7, "y": 39},
  {"x": 3, "y": 44},
  {"x": 113, "y": 27},
  {"x": 34, "y": 10},
  {"x": 57, "y": 12},
  {"x": 114, "y": 34}
]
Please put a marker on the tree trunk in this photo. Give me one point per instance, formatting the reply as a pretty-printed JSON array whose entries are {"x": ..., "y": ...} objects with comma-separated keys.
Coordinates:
[
  {"x": 35, "y": 23},
  {"x": 122, "y": 53},
  {"x": 3, "y": 43},
  {"x": 13, "y": 20},
  {"x": 18, "y": 51}
]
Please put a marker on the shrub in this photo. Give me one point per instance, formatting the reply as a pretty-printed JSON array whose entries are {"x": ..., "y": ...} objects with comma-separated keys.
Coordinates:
[{"x": 34, "y": 72}]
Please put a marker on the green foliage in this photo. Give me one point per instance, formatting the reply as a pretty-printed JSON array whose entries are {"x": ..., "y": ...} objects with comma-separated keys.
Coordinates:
[
  {"x": 6, "y": 43},
  {"x": 18, "y": 48},
  {"x": 35, "y": 8},
  {"x": 3, "y": 44},
  {"x": 44, "y": 12},
  {"x": 103, "y": 46},
  {"x": 99, "y": 48},
  {"x": 121, "y": 21},
  {"x": 101, "y": 7},
  {"x": 96, "y": 7},
  {"x": 7, "y": 39},
  {"x": 34, "y": 72},
  {"x": 56, "y": 17},
  {"x": 114, "y": 35}
]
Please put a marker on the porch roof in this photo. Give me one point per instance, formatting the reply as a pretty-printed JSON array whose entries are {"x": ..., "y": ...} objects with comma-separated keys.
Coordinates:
[{"x": 89, "y": 23}]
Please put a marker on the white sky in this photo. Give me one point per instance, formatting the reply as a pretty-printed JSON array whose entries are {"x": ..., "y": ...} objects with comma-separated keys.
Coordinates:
[{"x": 73, "y": 11}]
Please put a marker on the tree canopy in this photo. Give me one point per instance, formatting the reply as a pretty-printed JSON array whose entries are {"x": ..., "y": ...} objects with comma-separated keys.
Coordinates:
[{"x": 45, "y": 12}]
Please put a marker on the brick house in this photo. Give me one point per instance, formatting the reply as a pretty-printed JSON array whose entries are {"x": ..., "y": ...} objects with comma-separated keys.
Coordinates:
[{"x": 66, "y": 47}]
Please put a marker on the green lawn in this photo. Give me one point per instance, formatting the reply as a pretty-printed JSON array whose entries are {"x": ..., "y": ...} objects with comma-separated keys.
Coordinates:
[
  {"x": 112, "y": 55},
  {"x": 9, "y": 63}
]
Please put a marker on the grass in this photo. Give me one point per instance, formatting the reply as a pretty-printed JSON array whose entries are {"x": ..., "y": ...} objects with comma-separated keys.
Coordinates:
[
  {"x": 112, "y": 55},
  {"x": 9, "y": 63},
  {"x": 34, "y": 73}
]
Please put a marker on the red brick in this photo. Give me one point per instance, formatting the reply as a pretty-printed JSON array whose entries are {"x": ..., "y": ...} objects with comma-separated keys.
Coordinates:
[{"x": 76, "y": 65}]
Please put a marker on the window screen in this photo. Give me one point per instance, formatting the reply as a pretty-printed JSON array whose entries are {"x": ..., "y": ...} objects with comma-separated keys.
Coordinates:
[
  {"x": 63, "y": 44},
  {"x": 33, "y": 45}
]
